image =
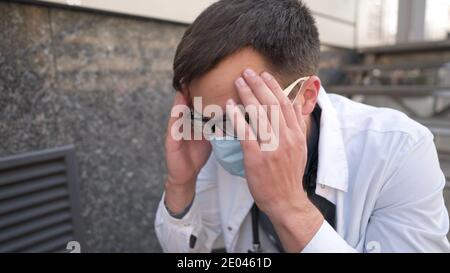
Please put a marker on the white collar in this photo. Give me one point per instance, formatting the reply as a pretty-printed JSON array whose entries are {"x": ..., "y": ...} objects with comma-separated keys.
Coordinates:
[{"x": 332, "y": 166}]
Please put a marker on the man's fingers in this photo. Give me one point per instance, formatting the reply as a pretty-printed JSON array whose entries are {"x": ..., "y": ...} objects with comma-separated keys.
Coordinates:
[
  {"x": 298, "y": 109},
  {"x": 244, "y": 132},
  {"x": 179, "y": 102},
  {"x": 285, "y": 104},
  {"x": 263, "y": 94},
  {"x": 260, "y": 89},
  {"x": 257, "y": 114}
]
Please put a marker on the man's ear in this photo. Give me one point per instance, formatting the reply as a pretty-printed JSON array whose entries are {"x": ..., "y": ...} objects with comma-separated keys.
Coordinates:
[{"x": 310, "y": 94}]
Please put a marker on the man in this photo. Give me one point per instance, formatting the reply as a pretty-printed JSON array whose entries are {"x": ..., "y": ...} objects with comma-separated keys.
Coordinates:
[{"x": 344, "y": 177}]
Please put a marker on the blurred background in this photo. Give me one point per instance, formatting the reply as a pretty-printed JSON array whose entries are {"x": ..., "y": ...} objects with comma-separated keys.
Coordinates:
[{"x": 85, "y": 92}]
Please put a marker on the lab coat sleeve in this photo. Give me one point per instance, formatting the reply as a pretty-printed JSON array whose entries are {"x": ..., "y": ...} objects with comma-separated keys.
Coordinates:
[
  {"x": 410, "y": 213},
  {"x": 198, "y": 229}
]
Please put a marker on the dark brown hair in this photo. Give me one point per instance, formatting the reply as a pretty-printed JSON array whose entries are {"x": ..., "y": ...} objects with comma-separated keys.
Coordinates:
[{"x": 284, "y": 32}]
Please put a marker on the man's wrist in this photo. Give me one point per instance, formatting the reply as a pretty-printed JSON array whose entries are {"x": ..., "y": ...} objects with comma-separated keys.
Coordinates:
[
  {"x": 297, "y": 225},
  {"x": 178, "y": 196},
  {"x": 181, "y": 214}
]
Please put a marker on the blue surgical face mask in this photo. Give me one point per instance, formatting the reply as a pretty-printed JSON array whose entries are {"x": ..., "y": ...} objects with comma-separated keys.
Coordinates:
[{"x": 228, "y": 153}]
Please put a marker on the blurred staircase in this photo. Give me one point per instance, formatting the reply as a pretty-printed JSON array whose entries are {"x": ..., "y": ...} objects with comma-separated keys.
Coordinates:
[{"x": 413, "y": 78}]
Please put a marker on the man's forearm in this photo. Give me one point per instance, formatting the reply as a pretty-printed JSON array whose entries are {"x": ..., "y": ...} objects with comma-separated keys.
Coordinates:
[{"x": 178, "y": 197}]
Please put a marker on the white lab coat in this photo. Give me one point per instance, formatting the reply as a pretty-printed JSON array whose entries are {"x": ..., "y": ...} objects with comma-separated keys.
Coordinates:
[{"x": 377, "y": 166}]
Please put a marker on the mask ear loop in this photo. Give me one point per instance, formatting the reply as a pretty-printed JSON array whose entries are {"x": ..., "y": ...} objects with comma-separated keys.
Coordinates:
[{"x": 291, "y": 87}]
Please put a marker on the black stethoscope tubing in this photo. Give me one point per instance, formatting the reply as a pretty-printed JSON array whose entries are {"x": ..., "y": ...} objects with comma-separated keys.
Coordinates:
[{"x": 255, "y": 230}]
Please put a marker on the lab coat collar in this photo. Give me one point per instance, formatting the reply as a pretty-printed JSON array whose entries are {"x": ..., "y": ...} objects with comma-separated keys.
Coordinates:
[{"x": 332, "y": 166}]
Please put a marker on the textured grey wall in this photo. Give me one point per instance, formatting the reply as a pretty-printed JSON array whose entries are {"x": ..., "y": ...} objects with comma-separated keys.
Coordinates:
[{"x": 101, "y": 82}]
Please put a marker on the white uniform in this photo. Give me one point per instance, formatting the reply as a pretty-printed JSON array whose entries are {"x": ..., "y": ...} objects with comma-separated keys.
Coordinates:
[{"x": 377, "y": 166}]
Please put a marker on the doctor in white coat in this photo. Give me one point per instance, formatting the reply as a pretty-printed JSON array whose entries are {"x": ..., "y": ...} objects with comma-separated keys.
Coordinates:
[{"x": 377, "y": 174}]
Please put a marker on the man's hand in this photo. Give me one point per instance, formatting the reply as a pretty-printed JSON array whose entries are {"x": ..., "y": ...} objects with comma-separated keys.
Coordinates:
[
  {"x": 275, "y": 177},
  {"x": 184, "y": 159}
]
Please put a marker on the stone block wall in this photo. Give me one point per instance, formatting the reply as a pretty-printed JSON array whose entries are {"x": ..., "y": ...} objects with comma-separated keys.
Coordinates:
[{"x": 100, "y": 82}]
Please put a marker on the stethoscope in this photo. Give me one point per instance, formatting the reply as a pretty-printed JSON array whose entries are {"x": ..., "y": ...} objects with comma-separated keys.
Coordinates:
[{"x": 255, "y": 230}]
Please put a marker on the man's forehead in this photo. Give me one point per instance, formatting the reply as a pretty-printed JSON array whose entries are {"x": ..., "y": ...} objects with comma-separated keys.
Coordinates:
[
  {"x": 217, "y": 86},
  {"x": 216, "y": 94}
]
